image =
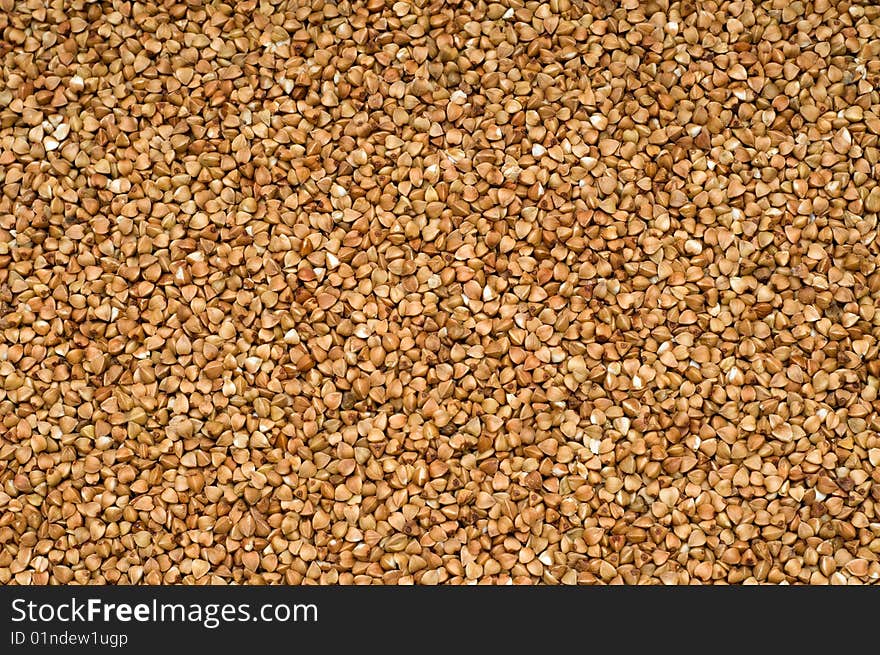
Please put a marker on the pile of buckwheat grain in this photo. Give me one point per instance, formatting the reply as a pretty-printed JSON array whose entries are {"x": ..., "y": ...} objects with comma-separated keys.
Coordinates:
[{"x": 567, "y": 292}]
